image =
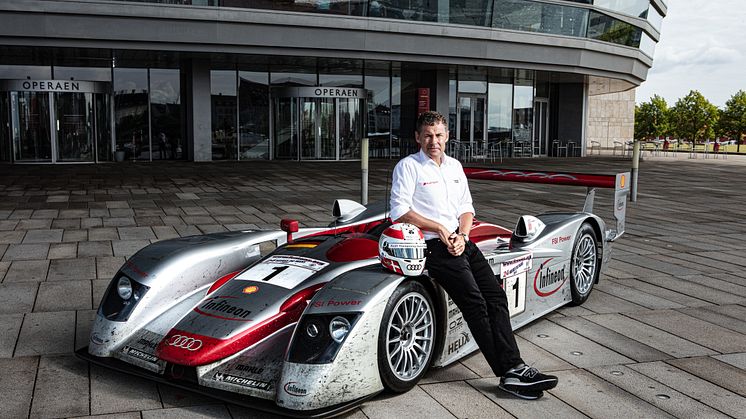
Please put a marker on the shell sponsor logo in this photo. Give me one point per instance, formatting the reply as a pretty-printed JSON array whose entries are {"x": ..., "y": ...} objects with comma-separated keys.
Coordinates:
[
  {"x": 250, "y": 289},
  {"x": 622, "y": 181}
]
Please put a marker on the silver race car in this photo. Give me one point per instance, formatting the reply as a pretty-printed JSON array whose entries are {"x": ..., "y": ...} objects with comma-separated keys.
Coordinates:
[{"x": 307, "y": 322}]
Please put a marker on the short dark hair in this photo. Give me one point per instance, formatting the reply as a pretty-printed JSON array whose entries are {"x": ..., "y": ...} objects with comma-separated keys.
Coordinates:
[{"x": 431, "y": 118}]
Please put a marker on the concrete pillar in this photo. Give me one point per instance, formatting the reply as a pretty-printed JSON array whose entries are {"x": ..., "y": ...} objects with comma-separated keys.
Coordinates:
[
  {"x": 199, "y": 112},
  {"x": 441, "y": 92}
]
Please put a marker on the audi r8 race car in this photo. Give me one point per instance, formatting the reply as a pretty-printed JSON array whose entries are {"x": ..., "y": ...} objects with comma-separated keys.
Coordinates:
[{"x": 307, "y": 322}]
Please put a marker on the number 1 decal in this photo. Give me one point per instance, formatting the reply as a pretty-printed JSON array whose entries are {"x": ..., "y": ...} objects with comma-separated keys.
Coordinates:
[
  {"x": 276, "y": 270},
  {"x": 515, "y": 290}
]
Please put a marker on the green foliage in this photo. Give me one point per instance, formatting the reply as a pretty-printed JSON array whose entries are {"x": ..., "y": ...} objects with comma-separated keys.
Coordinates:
[
  {"x": 694, "y": 117},
  {"x": 652, "y": 119},
  {"x": 733, "y": 117}
]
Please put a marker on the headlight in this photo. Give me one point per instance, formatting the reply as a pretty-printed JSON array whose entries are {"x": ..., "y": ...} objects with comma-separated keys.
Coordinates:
[
  {"x": 312, "y": 330},
  {"x": 339, "y": 327},
  {"x": 124, "y": 288}
]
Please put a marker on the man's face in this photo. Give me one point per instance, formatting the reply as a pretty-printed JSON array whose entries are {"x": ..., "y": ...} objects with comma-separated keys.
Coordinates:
[{"x": 432, "y": 140}]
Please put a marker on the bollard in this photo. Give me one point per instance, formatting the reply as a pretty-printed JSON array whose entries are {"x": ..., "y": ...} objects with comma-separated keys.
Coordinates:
[
  {"x": 635, "y": 167},
  {"x": 364, "y": 170}
]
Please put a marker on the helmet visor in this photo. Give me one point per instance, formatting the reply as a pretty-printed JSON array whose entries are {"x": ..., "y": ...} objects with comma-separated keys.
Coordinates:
[{"x": 408, "y": 252}]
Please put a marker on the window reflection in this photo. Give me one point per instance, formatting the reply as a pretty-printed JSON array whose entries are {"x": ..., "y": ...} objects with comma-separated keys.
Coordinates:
[
  {"x": 523, "y": 106},
  {"x": 223, "y": 104},
  {"x": 540, "y": 17},
  {"x": 637, "y": 8},
  {"x": 378, "y": 84},
  {"x": 165, "y": 108},
  {"x": 253, "y": 114},
  {"x": 499, "y": 112},
  {"x": 131, "y": 113},
  {"x": 606, "y": 28}
]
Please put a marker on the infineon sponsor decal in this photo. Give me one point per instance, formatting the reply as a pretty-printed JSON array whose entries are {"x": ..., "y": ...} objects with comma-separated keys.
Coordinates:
[
  {"x": 549, "y": 279},
  {"x": 292, "y": 388},
  {"x": 285, "y": 271},
  {"x": 222, "y": 307}
]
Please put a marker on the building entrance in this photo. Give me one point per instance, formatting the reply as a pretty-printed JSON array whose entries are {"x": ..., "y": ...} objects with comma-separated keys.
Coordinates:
[
  {"x": 56, "y": 121},
  {"x": 318, "y": 123},
  {"x": 471, "y": 123}
]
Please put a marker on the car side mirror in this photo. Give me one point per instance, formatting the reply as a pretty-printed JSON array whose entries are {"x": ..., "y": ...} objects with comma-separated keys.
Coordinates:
[{"x": 289, "y": 226}]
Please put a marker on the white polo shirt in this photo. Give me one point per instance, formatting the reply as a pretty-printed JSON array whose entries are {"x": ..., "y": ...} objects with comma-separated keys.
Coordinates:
[{"x": 440, "y": 193}]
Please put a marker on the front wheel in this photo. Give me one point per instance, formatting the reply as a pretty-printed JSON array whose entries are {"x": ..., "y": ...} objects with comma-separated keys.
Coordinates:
[
  {"x": 584, "y": 265},
  {"x": 406, "y": 341}
]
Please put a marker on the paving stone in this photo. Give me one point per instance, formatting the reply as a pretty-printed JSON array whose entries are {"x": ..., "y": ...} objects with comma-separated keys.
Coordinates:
[
  {"x": 129, "y": 247},
  {"x": 664, "y": 293},
  {"x": 46, "y": 334},
  {"x": 128, "y": 415},
  {"x": 63, "y": 296},
  {"x": 209, "y": 229},
  {"x": 599, "y": 399},
  {"x": 6, "y": 225},
  {"x": 185, "y": 230},
  {"x": 240, "y": 412},
  {"x": 115, "y": 392},
  {"x": 61, "y": 387},
  {"x": 386, "y": 408},
  {"x": 548, "y": 406},
  {"x": 104, "y": 233},
  {"x": 464, "y": 401},
  {"x": 20, "y": 214},
  {"x": 27, "y": 270},
  {"x": 34, "y": 224},
  {"x": 612, "y": 340},
  {"x": 4, "y": 266},
  {"x": 83, "y": 325},
  {"x": 714, "y": 371},
  {"x": 176, "y": 397},
  {"x": 165, "y": 232},
  {"x": 601, "y": 302},
  {"x": 10, "y": 325},
  {"x": 75, "y": 235},
  {"x": 62, "y": 250},
  {"x": 636, "y": 296},
  {"x": 11, "y": 237},
  {"x": 17, "y": 386},
  {"x": 45, "y": 213},
  {"x": 17, "y": 297},
  {"x": 121, "y": 212},
  {"x": 196, "y": 412},
  {"x": 43, "y": 236},
  {"x": 453, "y": 372},
  {"x": 737, "y": 360},
  {"x": 92, "y": 222},
  {"x": 106, "y": 267},
  {"x": 73, "y": 213},
  {"x": 26, "y": 251},
  {"x": 650, "y": 336},
  {"x": 98, "y": 213},
  {"x": 718, "y": 318},
  {"x": 119, "y": 222},
  {"x": 655, "y": 393},
  {"x": 95, "y": 249},
  {"x": 99, "y": 288},
  {"x": 72, "y": 269},
  {"x": 136, "y": 233},
  {"x": 570, "y": 346},
  {"x": 699, "y": 331},
  {"x": 695, "y": 290},
  {"x": 694, "y": 387}
]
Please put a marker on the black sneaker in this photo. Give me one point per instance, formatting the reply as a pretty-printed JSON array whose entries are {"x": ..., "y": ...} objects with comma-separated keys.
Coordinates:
[
  {"x": 526, "y": 395},
  {"x": 527, "y": 380}
]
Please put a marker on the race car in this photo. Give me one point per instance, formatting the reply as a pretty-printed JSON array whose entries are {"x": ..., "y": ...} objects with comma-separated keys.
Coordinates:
[{"x": 307, "y": 322}]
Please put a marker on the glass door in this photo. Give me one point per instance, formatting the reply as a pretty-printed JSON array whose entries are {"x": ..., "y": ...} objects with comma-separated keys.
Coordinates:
[
  {"x": 541, "y": 131},
  {"x": 350, "y": 128},
  {"x": 30, "y": 126},
  {"x": 471, "y": 123},
  {"x": 74, "y": 130},
  {"x": 318, "y": 129},
  {"x": 286, "y": 128}
]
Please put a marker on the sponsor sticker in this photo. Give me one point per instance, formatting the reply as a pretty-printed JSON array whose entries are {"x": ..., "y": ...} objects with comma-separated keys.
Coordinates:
[
  {"x": 337, "y": 303},
  {"x": 457, "y": 344},
  {"x": 221, "y": 307},
  {"x": 292, "y": 388},
  {"x": 285, "y": 271},
  {"x": 241, "y": 381},
  {"x": 516, "y": 266},
  {"x": 95, "y": 338},
  {"x": 549, "y": 279},
  {"x": 560, "y": 239},
  {"x": 136, "y": 353}
]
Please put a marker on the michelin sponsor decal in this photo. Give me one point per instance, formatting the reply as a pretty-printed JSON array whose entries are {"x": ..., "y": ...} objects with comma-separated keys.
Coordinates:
[
  {"x": 136, "y": 353},
  {"x": 241, "y": 381}
]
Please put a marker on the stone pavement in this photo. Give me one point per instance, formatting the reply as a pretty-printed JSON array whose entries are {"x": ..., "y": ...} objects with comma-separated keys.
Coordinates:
[{"x": 663, "y": 334}]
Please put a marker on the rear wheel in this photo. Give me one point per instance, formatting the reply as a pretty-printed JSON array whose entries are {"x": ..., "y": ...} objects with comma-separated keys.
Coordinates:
[
  {"x": 584, "y": 264},
  {"x": 406, "y": 341}
]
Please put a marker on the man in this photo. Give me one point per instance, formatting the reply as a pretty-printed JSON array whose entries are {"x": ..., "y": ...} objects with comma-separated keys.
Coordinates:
[{"x": 430, "y": 190}]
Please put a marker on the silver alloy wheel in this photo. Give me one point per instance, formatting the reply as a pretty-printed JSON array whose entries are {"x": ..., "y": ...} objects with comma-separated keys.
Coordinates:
[
  {"x": 584, "y": 264},
  {"x": 410, "y": 336}
]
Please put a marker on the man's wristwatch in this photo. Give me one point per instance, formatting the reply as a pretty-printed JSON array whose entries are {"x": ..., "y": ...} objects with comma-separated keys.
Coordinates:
[{"x": 465, "y": 236}]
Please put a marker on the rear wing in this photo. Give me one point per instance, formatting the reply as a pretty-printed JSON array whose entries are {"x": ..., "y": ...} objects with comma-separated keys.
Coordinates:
[{"x": 619, "y": 182}]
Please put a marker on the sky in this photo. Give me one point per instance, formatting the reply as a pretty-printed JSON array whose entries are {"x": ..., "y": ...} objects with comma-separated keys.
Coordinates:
[{"x": 702, "y": 47}]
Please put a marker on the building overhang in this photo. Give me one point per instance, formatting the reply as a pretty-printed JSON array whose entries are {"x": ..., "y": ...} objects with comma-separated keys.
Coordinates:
[{"x": 155, "y": 27}]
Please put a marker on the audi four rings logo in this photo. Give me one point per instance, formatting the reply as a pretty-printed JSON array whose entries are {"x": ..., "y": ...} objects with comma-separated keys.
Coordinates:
[{"x": 184, "y": 342}]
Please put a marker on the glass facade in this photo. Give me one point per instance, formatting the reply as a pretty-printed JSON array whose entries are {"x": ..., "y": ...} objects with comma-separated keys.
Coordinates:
[
  {"x": 131, "y": 112},
  {"x": 165, "y": 114},
  {"x": 522, "y": 15},
  {"x": 606, "y": 28},
  {"x": 223, "y": 102},
  {"x": 253, "y": 115}
]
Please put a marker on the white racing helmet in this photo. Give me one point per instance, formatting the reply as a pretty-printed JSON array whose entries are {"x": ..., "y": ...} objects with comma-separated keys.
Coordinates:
[{"x": 401, "y": 249}]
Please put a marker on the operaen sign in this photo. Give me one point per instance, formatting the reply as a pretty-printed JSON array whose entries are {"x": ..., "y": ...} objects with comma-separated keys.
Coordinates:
[{"x": 68, "y": 86}]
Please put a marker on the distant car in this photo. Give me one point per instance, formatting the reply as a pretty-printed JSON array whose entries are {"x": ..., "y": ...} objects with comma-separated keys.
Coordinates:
[{"x": 306, "y": 322}]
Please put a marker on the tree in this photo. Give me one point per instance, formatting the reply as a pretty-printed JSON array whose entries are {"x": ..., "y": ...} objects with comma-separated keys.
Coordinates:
[
  {"x": 652, "y": 119},
  {"x": 694, "y": 117},
  {"x": 733, "y": 117}
]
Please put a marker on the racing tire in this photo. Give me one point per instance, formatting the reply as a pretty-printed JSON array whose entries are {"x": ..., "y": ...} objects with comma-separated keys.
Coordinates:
[
  {"x": 584, "y": 264},
  {"x": 406, "y": 342}
]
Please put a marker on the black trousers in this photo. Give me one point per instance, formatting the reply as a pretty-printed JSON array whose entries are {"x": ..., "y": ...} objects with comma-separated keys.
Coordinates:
[{"x": 472, "y": 285}]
